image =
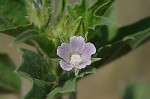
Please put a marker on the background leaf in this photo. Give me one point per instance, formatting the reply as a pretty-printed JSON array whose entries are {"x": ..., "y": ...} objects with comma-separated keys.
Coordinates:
[
  {"x": 9, "y": 81},
  {"x": 15, "y": 31},
  {"x": 23, "y": 37},
  {"x": 12, "y": 14},
  {"x": 137, "y": 90}
]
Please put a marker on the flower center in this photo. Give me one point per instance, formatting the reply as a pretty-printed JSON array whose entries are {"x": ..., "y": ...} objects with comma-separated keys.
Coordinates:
[{"x": 75, "y": 59}]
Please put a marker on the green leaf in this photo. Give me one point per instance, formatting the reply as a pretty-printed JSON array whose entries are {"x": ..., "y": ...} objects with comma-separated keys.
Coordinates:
[
  {"x": 137, "y": 39},
  {"x": 137, "y": 90},
  {"x": 90, "y": 17},
  {"x": 96, "y": 21},
  {"x": 27, "y": 34},
  {"x": 142, "y": 91},
  {"x": 101, "y": 6},
  {"x": 100, "y": 37},
  {"x": 112, "y": 34},
  {"x": 115, "y": 50},
  {"x": 87, "y": 71},
  {"x": 129, "y": 92},
  {"x": 69, "y": 86},
  {"x": 93, "y": 19},
  {"x": 44, "y": 45},
  {"x": 35, "y": 66},
  {"x": 12, "y": 14},
  {"x": 23, "y": 37},
  {"x": 40, "y": 41},
  {"x": 126, "y": 39},
  {"x": 9, "y": 81},
  {"x": 78, "y": 9},
  {"x": 39, "y": 90},
  {"x": 68, "y": 82},
  {"x": 141, "y": 25},
  {"x": 15, "y": 31}
]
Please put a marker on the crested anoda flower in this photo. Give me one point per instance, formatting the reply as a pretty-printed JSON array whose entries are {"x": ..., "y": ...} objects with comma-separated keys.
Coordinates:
[{"x": 76, "y": 54}]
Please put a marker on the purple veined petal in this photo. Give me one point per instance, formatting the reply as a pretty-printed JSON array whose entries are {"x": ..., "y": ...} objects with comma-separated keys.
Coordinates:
[
  {"x": 77, "y": 44},
  {"x": 63, "y": 51},
  {"x": 89, "y": 50},
  {"x": 84, "y": 64},
  {"x": 65, "y": 66}
]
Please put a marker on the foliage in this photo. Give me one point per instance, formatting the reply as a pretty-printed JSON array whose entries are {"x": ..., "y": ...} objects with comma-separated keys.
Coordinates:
[
  {"x": 9, "y": 81},
  {"x": 12, "y": 14},
  {"x": 137, "y": 90},
  {"x": 45, "y": 31}
]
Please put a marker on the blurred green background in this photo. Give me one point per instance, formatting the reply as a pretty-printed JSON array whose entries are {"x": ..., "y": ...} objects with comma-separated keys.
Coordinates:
[{"x": 109, "y": 81}]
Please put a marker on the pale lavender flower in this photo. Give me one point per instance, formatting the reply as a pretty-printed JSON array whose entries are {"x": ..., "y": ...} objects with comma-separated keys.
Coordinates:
[{"x": 76, "y": 54}]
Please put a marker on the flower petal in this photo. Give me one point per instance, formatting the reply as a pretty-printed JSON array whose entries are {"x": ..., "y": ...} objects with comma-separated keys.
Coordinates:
[
  {"x": 77, "y": 44},
  {"x": 89, "y": 49},
  {"x": 84, "y": 64},
  {"x": 63, "y": 51},
  {"x": 65, "y": 66}
]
